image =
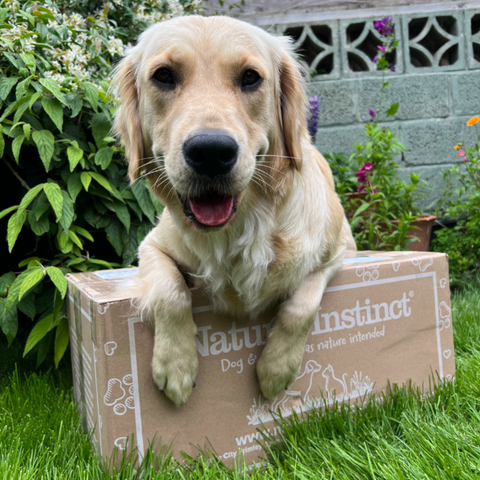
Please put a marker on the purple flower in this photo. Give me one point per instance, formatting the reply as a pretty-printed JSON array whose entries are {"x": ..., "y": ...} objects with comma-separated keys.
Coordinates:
[
  {"x": 381, "y": 48},
  {"x": 375, "y": 59},
  {"x": 360, "y": 188},
  {"x": 312, "y": 116},
  {"x": 392, "y": 67},
  {"x": 368, "y": 167},
  {"x": 372, "y": 113},
  {"x": 361, "y": 177},
  {"x": 385, "y": 26}
]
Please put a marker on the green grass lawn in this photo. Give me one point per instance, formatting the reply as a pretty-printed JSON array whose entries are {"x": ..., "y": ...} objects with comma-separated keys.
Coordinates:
[{"x": 404, "y": 438}]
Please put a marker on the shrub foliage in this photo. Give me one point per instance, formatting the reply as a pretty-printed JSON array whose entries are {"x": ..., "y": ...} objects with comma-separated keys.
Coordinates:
[{"x": 55, "y": 119}]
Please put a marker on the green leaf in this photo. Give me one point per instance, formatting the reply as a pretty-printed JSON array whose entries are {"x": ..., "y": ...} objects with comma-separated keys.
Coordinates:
[
  {"x": 86, "y": 178},
  {"x": 39, "y": 226},
  {"x": 142, "y": 232},
  {"x": 130, "y": 246},
  {"x": 13, "y": 106},
  {"x": 140, "y": 191},
  {"x": 102, "y": 181},
  {"x": 67, "y": 211},
  {"x": 22, "y": 87},
  {"x": 75, "y": 103},
  {"x": 27, "y": 306},
  {"x": 61, "y": 340},
  {"x": 20, "y": 111},
  {"x": 29, "y": 197},
  {"x": 38, "y": 332},
  {"x": 55, "y": 197},
  {"x": 34, "y": 276},
  {"x": 40, "y": 205},
  {"x": 2, "y": 142},
  {"x": 15, "y": 224},
  {"x": 29, "y": 17},
  {"x": 6, "y": 84},
  {"x": 9, "y": 322},
  {"x": 91, "y": 94},
  {"x": 43, "y": 347},
  {"x": 74, "y": 238},
  {"x": 54, "y": 110},
  {"x": 103, "y": 157},
  {"x": 83, "y": 232},
  {"x": 17, "y": 145},
  {"x": 74, "y": 185},
  {"x": 100, "y": 126},
  {"x": 123, "y": 214},
  {"x": 74, "y": 154},
  {"x": 58, "y": 278},
  {"x": 114, "y": 235},
  {"x": 392, "y": 110},
  {"x": 6, "y": 280},
  {"x": 33, "y": 99},
  {"x": 64, "y": 242},
  {"x": 7, "y": 211},
  {"x": 27, "y": 129},
  {"x": 45, "y": 141},
  {"x": 30, "y": 260},
  {"x": 52, "y": 86}
]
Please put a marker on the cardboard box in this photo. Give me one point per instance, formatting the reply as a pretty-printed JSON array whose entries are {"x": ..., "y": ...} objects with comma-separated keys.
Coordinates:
[{"x": 385, "y": 317}]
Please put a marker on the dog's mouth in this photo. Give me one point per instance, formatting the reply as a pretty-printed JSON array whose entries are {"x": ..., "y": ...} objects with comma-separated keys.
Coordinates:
[{"x": 209, "y": 210}]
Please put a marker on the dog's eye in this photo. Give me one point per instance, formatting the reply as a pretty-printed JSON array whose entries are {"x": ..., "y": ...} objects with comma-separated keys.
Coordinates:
[
  {"x": 250, "y": 79},
  {"x": 165, "y": 77}
]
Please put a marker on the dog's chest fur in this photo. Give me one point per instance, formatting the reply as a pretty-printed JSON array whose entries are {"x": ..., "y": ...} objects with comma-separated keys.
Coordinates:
[{"x": 242, "y": 268}]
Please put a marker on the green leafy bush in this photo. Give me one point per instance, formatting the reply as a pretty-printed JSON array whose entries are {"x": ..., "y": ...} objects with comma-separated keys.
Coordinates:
[
  {"x": 55, "y": 119},
  {"x": 382, "y": 217},
  {"x": 461, "y": 201}
]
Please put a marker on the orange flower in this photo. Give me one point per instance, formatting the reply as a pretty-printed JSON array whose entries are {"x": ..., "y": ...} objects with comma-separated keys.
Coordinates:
[
  {"x": 473, "y": 121},
  {"x": 457, "y": 147}
]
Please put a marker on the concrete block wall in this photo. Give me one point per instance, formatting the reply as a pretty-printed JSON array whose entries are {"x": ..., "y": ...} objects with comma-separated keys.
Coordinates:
[{"x": 436, "y": 83}]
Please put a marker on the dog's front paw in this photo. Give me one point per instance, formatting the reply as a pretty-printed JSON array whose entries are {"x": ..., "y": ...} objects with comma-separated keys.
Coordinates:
[
  {"x": 276, "y": 372},
  {"x": 174, "y": 369}
]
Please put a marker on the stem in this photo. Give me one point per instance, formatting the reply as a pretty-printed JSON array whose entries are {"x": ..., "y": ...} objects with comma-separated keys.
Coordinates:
[
  {"x": 15, "y": 174},
  {"x": 381, "y": 94}
]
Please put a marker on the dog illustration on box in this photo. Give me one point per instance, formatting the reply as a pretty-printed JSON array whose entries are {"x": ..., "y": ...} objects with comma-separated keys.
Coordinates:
[{"x": 327, "y": 388}]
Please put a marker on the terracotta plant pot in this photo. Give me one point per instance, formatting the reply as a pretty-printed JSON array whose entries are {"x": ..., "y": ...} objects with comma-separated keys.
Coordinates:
[{"x": 423, "y": 232}]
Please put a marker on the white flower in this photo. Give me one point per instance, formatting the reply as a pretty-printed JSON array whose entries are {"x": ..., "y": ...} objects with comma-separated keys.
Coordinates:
[
  {"x": 115, "y": 46},
  {"x": 58, "y": 77},
  {"x": 176, "y": 7}
]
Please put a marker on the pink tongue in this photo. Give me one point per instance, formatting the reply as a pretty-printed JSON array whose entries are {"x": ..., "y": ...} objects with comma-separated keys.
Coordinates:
[{"x": 211, "y": 210}]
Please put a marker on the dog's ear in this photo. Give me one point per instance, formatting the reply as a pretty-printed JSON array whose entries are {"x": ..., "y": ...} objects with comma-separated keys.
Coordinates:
[
  {"x": 291, "y": 108},
  {"x": 127, "y": 125}
]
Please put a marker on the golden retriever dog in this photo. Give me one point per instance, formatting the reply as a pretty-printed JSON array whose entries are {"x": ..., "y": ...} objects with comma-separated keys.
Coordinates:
[{"x": 213, "y": 113}]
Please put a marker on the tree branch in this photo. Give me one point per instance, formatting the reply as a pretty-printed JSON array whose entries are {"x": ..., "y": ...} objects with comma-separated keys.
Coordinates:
[{"x": 19, "y": 178}]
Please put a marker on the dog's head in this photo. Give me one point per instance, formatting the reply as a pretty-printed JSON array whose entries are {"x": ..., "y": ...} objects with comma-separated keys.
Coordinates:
[{"x": 212, "y": 109}]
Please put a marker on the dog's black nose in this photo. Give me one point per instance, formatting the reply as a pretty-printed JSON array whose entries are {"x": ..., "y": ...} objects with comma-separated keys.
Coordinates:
[{"x": 211, "y": 152}]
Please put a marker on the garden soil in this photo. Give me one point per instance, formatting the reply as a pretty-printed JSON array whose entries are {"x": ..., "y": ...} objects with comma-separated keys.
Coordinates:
[{"x": 385, "y": 318}]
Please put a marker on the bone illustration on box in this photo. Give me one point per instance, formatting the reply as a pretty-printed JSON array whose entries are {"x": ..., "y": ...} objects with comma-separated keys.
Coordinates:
[
  {"x": 422, "y": 263},
  {"x": 396, "y": 266},
  {"x": 443, "y": 282},
  {"x": 332, "y": 389}
]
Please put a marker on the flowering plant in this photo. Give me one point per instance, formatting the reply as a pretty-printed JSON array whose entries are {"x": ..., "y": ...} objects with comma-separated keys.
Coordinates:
[
  {"x": 391, "y": 202},
  {"x": 69, "y": 182},
  {"x": 461, "y": 201}
]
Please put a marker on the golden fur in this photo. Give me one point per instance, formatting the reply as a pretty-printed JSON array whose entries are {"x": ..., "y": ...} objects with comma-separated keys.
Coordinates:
[{"x": 288, "y": 236}]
